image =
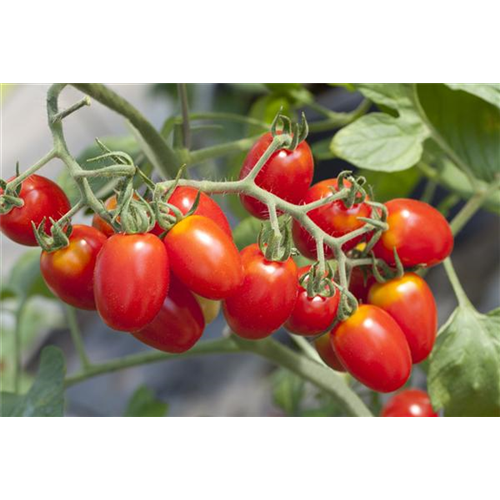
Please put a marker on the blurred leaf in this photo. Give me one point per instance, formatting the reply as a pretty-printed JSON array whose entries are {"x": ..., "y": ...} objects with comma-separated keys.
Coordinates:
[
  {"x": 265, "y": 108},
  {"x": 464, "y": 368},
  {"x": 246, "y": 232},
  {"x": 321, "y": 150},
  {"x": 288, "y": 391},
  {"x": 8, "y": 402},
  {"x": 293, "y": 92},
  {"x": 387, "y": 186},
  {"x": 470, "y": 126},
  {"x": 487, "y": 91},
  {"x": 46, "y": 396},
  {"x": 144, "y": 404}
]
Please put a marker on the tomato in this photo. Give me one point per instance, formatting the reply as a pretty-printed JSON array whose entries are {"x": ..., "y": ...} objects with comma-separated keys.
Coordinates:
[
  {"x": 266, "y": 297},
  {"x": 334, "y": 218},
  {"x": 101, "y": 224},
  {"x": 409, "y": 403},
  {"x": 69, "y": 272},
  {"x": 361, "y": 281},
  {"x": 131, "y": 280},
  {"x": 287, "y": 174},
  {"x": 410, "y": 302},
  {"x": 373, "y": 349},
  {"x": 42, "y": 198},
  {"x": 178, "y": 325},
  {"x": 327, "y": 354},
  {"x": 312, "y": 315},
  {"x": 420, "y": 234},
  {"x": 210, "y": 308},
  {"x": 204, "y": 257}
]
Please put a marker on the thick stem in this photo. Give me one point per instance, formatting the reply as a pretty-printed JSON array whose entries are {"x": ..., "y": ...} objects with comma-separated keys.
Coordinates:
[{"x": 76, "y": 336}]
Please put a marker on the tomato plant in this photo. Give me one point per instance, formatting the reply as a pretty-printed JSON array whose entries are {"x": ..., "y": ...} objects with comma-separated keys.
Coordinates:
[
  {"x": 409, "y": 403},
  {"x": 42, "y": 199}
]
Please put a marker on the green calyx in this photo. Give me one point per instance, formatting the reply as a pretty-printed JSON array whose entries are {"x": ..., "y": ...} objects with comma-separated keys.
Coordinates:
[
  {"x": 58, "y": 238},
  {"x": 276, "y": 244}
]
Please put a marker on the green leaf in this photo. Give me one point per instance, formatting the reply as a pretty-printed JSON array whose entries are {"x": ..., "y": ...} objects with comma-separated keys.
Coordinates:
[
  {"x": 144, "y": 404},
  {"x": 246, "y": 232},
  {"x": 464, "y": 368},
  {"x": 288, "y": 391},
  {"x": 489, "y": 92},
  {"x": 265, "y": 109},
  {"x": 469, "y": 125},
  {"x": 8, "y": 402},
  {"x": 46, "y": 396},
  {"x": 387, "y": 186},
  {"x": 380, "y": 142},
  {"x": 321, "y": 150}
]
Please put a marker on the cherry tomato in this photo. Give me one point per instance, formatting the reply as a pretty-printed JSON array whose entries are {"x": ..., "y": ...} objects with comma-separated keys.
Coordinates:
[
  {"x": 373, "y": 349},
  {"x": 42, "y": 198},
  {"x": 210, "y": 308},
  {"x": 409, "y": 403},
  {"x": 327, "y": 354},
  {"x": 178, "y": 325},
  {"x": 131, "y": 280},
  {"x": 361, "y": 281},
  {"x": 101, "y": 224},
  {"x": 311, "y": 315},
  {"x": 204, "y": 257},
  {"x": 410, "y": 302},
  {"x": 420, "y": 234},
  {"x": 287, "y": 174},
  {"x": 334, "y": 218},
  {"x": 69, "y": 272},
  {"x": 266, "y": 297}
]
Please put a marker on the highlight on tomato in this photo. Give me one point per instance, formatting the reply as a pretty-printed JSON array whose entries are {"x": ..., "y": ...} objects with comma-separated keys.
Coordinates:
[
  {"x": 373, "y": 349},
  {"x": 42, "y": 199},
  {"x": 311, "y": 315},
  {"x": 69, "y": 271},
  {"x": 409, "y": 403},
  {"x": 178, "y": 325},
  {"x": 419, "y": 233},
  {"x": 265, "y": 299},
  {"x": 410, "y": 301},
  {"x": 131, "y": 280},
  {"x": 204, "y": 257},
  {"x": 325, "y": 350},
  {"x": 334, "y": 218},
  {"x": 287, "y": 174}
]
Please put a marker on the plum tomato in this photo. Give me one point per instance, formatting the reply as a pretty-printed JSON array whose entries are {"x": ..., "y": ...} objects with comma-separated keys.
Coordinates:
[
  {"x": 325, "y": 350},
  {"x": 409, "y": 403}
]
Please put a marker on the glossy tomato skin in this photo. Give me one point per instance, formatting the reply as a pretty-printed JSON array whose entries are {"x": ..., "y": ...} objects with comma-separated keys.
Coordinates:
[
  {"x": 373, "y": 349},
  {"x": 42, "y": 198},
  {"x": 69, "y": 272},
  {"x": 287, "y": 174},
  {"x": 420, "y": 234},
  {"x": 334, "y": 218},
  {"x": 360, "y": 283},
  {"x": 311, "y": 315},
  {"x": 325, "y": 350},
  {"x": 178, "y": 325},
  {"x": 131, "y": 280},
  {"x": 410, "y": 302},
  {"x": 266, "y": 297},
  {"x": 204, "y": 257},
  {"x": 409, "y": 403}
]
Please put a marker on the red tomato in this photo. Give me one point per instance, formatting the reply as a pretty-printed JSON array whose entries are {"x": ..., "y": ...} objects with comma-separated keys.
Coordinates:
[
  {"x": 69, "y": 272},
  {"x": 361, "y": 281},
  {"x": 42, "y": 198},
  {"x": 178, "y": 325},
  {"x": 327, "y": 354},
  {"x": 334, "y": 218},
  {"x": 204, "y": 257},
  {"x": 287, "y": 174},
  {"x": 373, "y": 349},
  {"x": 410, "y": 302},
  {"x": 131, "y": 280},
  {"x": 266, "y": 297},
  {"x": 100, "y": 223},
  {"x": 409, "y": 403},
  {"x": 312, "y": 315},
  {"x": 420, "y": 234}
]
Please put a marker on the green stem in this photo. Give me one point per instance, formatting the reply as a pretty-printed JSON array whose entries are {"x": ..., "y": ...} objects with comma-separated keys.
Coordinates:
[
  {"x": 18, "y": 345},
  {"x": 75, "y": 107},
  {"x": 338, "y": 120},
  {"x": 220, "y": 150},
  {"x": 462, "y": 298},
  {"x": 77, "y": 337},
  {"x": 186, "y": 130},
  {"x": 37, "y": 166},
  {"x": 307, "y": 348}
]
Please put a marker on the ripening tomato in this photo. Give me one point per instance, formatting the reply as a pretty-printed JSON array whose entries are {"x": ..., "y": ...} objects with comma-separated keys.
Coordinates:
[
  {"x": 101, "y": 224},
  {"x": 312, "y": 315},
  {"x": 265, "y": 299},
  {"x": 204, "y": 257},
  {"x": 409, "y": 403},
  {"x": 334, "y": 218},
  {"x": 210, "y": 308},
  {"x": 131, "y": 280},
  {"x": 410, "y": 302},
  {"x": 420, "y": 234},
  {"x": 361, "y": 281},
  {"x": 69, "y": 272},
  {"x": 287, "y": 174},
  {"x": 42, "y": 198},
  {"x": 178, "y": 325},
  {"x": 373, "y": 349},
  {"x": 325, "y": 350}
]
